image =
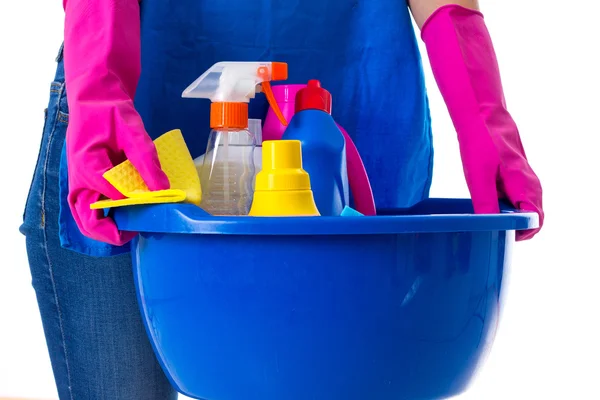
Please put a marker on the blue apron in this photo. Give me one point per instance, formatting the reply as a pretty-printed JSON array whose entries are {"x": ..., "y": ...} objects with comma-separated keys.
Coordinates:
[{"x": 364, "y": 52}]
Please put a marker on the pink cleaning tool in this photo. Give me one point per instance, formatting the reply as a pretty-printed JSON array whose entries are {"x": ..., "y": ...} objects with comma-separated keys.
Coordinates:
[
  {"x": 102, "y": 68},
  {"x": 465, "y": 67},
  {"x": 285, "y": 96},
  {"x": 360, "y": 187}
]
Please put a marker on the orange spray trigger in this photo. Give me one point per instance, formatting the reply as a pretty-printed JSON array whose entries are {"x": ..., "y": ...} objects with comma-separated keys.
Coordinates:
[{"x": 266, "y": 88}]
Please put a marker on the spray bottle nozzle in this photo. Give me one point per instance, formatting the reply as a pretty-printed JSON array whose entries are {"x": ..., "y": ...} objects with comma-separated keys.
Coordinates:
[{"x": 238, "y": 82}]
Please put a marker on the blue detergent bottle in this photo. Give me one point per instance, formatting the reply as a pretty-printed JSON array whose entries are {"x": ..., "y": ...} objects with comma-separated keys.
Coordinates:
[{"x": 323, "y": 148}]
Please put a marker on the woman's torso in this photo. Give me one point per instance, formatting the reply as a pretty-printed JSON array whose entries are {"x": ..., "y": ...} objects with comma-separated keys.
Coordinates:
[{"x": 364, "y": 52}]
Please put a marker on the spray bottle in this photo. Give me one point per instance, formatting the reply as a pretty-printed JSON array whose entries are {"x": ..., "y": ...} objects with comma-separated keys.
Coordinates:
[{"x": 228, "y": 169}]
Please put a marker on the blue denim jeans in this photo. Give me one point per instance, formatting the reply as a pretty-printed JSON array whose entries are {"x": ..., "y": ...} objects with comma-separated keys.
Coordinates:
[{"x": 94, "y": 333}]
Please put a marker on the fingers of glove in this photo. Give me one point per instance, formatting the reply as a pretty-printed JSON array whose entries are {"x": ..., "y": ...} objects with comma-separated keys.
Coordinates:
[
  {"x": 86, "y": 166},
  {"x": 481, "y": 174},
  {"x": 145, "y": 160},
  {"x": 93, "y": 223},
  {"x": 482, "y": 186},
  {"x": 524, "y": 191},
  {"x": 530, "y": 233},
  {"x": 140, "y": 149}
]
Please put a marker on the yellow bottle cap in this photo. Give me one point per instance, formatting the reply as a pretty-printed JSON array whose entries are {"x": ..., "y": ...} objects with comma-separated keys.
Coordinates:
[
  {"x": 282, "y": 167},
  {"x": 283, "y": 187}
]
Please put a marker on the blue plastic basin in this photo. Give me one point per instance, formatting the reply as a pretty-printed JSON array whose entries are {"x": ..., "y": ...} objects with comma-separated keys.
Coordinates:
[{"x": 400, "y": 306}]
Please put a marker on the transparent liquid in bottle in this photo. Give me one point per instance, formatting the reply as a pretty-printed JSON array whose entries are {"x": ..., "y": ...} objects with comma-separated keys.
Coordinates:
[
  {"x": 255, "y": 128},
  {"x": 227, "y": 172}
]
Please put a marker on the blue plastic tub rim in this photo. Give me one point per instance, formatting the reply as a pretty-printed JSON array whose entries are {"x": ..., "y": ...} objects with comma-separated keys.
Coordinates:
[{"x": 427, "y": 216}]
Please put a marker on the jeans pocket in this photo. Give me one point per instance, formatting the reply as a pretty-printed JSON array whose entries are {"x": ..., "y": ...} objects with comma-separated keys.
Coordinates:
[
  {"x": 54, "y": 119},
  {"x": 37, "y": 163}
]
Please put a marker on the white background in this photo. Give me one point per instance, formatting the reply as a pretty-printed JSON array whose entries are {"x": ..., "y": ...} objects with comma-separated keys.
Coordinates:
[{"x": 548, "y": 342}]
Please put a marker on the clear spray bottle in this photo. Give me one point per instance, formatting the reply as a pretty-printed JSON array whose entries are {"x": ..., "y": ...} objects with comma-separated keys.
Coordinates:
[{"x": 228, "y": 169}]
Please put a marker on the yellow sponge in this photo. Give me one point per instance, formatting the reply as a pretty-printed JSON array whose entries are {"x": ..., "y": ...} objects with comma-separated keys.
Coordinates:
[
  {"x": 134, "y": 201},
  {"x": 177, "y": 163}
]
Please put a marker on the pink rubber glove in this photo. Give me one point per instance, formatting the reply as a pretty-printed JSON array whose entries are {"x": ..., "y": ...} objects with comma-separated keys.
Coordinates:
[
  {"x": 465, "y": 67},
  {"x": 102, "y": 69}
]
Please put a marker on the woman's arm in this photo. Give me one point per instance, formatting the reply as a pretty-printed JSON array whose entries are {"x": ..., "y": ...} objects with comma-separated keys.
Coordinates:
[
  {"x": 422, "y": 9},
  {"x": 102, "y": 67},
  {"x": 463, "y": 62}
]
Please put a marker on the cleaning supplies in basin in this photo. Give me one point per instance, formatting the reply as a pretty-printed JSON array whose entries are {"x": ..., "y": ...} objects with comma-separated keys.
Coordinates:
[
  {"x": 175, "y": 161},
  {"x": 360, "y": 186},
  {"x": 323, "y": 148},
  {"x": 228, "y": 170},
  {"x": 283, "y": 187}
]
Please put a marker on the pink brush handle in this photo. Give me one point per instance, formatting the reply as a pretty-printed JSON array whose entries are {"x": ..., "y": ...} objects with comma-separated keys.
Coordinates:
[{"x": 358, "y": 178}]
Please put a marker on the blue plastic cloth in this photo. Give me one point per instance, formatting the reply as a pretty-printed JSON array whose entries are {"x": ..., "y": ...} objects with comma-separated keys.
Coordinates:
[{"x": 364, "y": 52}]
